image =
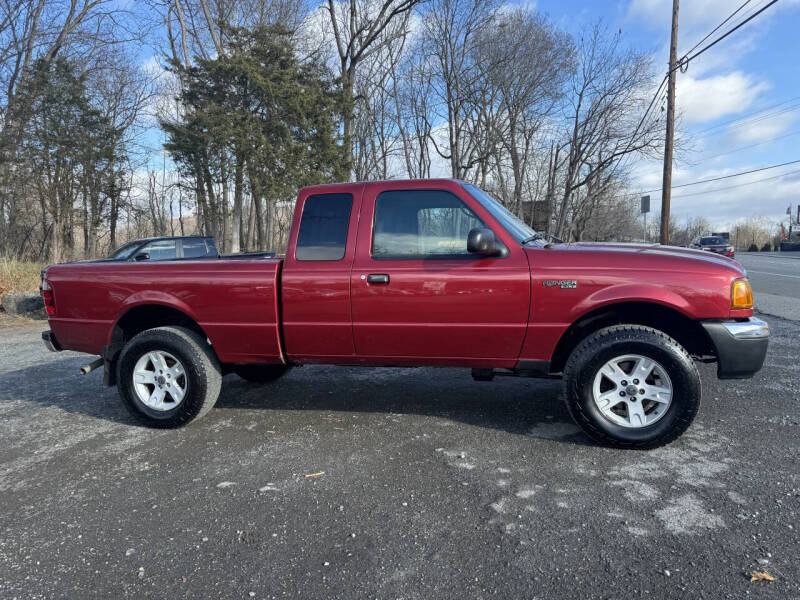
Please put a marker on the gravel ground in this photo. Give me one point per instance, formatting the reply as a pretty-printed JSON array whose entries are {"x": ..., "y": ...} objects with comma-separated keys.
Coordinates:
[{"x": 390, "y": 483}]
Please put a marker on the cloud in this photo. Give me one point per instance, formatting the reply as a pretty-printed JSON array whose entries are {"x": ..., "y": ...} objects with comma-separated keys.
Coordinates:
[
  {"x": 702, "y": 100},
  {"x": 657, "y": 13},
  {"x": 762, "y": 129},
  {"x": 153, "y": 67},
  {"x": 526, "y": 5},
  {"x": 757, "y": 193},
  {"x": 727, "y": 201},
  {"x": 700, "y": 16},
  {"x": 648, "y": 175}
]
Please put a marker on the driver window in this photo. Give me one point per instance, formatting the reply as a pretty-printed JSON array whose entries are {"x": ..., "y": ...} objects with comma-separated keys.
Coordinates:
[{"x": 421, "y": 224}]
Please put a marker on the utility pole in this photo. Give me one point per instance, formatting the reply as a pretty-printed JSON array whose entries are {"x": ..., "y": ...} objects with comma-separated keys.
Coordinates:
[{"x": 666, "y": 187}]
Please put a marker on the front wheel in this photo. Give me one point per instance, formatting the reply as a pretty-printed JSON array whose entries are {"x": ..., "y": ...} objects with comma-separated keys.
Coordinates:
[
  {"x": 168, "y": 376},
  {"x": 631, "y": 386}
]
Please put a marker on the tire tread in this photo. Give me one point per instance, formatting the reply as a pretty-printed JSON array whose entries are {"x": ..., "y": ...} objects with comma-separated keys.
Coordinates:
[
  {"x": 589, "y": 346},
  {"x": 203, "y": 359}
]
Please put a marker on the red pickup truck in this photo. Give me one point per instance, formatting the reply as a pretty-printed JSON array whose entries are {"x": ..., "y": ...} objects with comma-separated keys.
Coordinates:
[{"x": 413, "y": 273}]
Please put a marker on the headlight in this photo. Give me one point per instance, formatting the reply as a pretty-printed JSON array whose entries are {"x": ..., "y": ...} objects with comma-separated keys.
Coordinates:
[{"x": 741, "y": 294}]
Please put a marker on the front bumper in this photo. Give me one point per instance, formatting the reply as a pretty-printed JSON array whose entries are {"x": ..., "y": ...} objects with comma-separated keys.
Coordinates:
[
  {"x": 741, "y": 346},
  {"x": 50, "y": 341},
  {"x": 721, "y": 252}
]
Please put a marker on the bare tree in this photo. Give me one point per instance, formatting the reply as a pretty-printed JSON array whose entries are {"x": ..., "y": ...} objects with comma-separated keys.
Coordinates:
[
  {"x": 691, "y": 228},
  {"x": 412, "y": 96},
  {"x": 528, "y": 63},
  {"x": 32, "y": 30},
  {"x": 202, "y": 27},
  {"x": 607, "y": 96},
  {"x": 362, "y": 28},
  {"x": 452, "y": 29}
]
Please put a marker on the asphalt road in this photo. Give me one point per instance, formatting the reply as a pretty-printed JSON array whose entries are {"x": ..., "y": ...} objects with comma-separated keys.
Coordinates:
[
  {"x": 425, "y": 485},
  {"x": 775, "y": 278},
  {"x": 773, "y": 273}
]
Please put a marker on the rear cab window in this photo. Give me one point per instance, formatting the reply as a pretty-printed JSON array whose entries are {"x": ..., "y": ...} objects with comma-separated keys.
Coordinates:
[{"x": 323, "y": 227}]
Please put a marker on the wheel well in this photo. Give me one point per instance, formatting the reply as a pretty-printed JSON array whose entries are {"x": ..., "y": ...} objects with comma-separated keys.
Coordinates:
[
  {"x": 148, "y": 316},
  {"x": 687, "y": 332}
]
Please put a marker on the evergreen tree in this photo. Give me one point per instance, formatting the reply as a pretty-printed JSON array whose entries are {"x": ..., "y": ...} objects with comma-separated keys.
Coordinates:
[
  {"x": 67, "y": 149},
  {"x": 254, "y": 115}
]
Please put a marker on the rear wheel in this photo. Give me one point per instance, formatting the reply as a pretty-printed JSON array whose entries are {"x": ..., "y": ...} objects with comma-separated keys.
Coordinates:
[
  {"x": 631, "y": 386},
  {"x": 168, "y": 377},
  {"x": 261, "y": 373}
]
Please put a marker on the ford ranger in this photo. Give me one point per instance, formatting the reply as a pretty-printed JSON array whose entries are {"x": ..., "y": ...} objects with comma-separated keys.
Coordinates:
[{"x": 419, "y": 273}]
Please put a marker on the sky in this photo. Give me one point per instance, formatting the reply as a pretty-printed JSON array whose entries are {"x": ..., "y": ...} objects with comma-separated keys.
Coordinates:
[{"x": 738, "y": 104}]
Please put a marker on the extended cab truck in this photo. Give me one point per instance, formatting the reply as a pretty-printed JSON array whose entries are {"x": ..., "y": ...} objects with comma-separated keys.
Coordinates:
[{"x": 411, "y": 273}]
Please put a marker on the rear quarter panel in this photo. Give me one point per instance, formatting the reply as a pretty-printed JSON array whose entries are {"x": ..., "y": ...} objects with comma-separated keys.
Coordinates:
[{"x": 234, "y": 301}]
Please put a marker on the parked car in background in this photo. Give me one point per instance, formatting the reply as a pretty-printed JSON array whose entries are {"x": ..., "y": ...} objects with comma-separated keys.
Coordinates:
[
  {"x": 715, "y": 244},
  {"x": 174, "y": 248},
  {"x": 166, "y": 248}
]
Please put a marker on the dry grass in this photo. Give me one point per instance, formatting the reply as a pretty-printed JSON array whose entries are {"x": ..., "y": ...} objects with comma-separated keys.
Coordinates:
[{"x": 17, "y": 276}]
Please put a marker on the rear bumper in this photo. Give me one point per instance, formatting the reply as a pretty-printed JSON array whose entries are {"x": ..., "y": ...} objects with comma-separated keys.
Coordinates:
[
  {"x": 50, "y": 341},
  {"x": 741, "y": 346}
]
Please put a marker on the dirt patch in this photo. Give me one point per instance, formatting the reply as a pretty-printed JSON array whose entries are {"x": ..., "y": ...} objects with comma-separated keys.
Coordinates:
[
  {"x": 8, "y": 321},
  {"x": 16, "y": 276}
]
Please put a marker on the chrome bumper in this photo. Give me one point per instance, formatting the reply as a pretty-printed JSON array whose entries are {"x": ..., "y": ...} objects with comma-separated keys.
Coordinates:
[{"x": 753, "y": 328}]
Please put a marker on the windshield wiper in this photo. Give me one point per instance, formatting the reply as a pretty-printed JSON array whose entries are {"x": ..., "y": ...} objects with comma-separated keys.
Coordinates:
[
  {"x": 542, "y": 236},
  {"x": 533, "y": 238}
]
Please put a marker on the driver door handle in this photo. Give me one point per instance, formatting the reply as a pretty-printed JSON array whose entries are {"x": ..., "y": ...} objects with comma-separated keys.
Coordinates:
[{"x": 378, "y": 278}]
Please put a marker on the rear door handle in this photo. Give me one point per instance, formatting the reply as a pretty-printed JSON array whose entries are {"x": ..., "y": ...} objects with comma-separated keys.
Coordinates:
[{"x": 377, "y": 278}]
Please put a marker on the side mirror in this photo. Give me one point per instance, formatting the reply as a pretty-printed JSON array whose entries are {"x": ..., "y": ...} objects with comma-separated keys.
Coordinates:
[
  {"x": 483, "y": 241},
  {"x": 142, "y": 256}
]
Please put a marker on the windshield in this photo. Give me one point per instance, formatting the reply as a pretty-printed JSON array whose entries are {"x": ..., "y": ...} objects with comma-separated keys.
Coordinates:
[
  {"x": 124, "y": 252},
  {"x": 712, "y": 241},
  {"x": 513, "y": 224}
]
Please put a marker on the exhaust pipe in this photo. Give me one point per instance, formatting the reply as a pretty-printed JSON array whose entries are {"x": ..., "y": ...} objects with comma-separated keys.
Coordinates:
[{"x": 85, "y": 369}]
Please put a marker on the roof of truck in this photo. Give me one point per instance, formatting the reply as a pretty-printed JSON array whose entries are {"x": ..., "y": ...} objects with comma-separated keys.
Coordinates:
[{"x": 393, "y": 182}]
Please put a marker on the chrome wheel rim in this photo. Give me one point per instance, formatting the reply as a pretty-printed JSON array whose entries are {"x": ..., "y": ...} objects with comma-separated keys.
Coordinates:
[
  {"x": 159, "y": 380},
  {"x": 632, "y": 391}
]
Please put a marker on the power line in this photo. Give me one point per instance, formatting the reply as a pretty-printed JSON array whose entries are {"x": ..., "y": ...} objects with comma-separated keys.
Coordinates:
[
  {"x": 753, "y": 8},
  {"x": 791, "y": 162},
  {"x": 649, "y": 107},
  {"x": 666, "y": 77},
  {"x": 774, "y": 139},
  {"x": 687, "y": 59},
  {"x": 738, "y": 185},
  {"x": 682, "y": 64},
  {"x": 713, "y": 31},
  {"x": 756, "y": 117}
]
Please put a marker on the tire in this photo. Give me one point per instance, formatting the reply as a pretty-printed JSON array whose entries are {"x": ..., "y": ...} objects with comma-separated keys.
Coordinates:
[
  {"x": 187, "y": 355},
  {"x": 261, "y": 373},
  {"x": 618, "y": 418}
]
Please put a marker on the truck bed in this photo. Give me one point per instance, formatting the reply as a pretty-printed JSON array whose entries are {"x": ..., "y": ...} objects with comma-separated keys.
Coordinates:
[{"x": 234, "y": 300}]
